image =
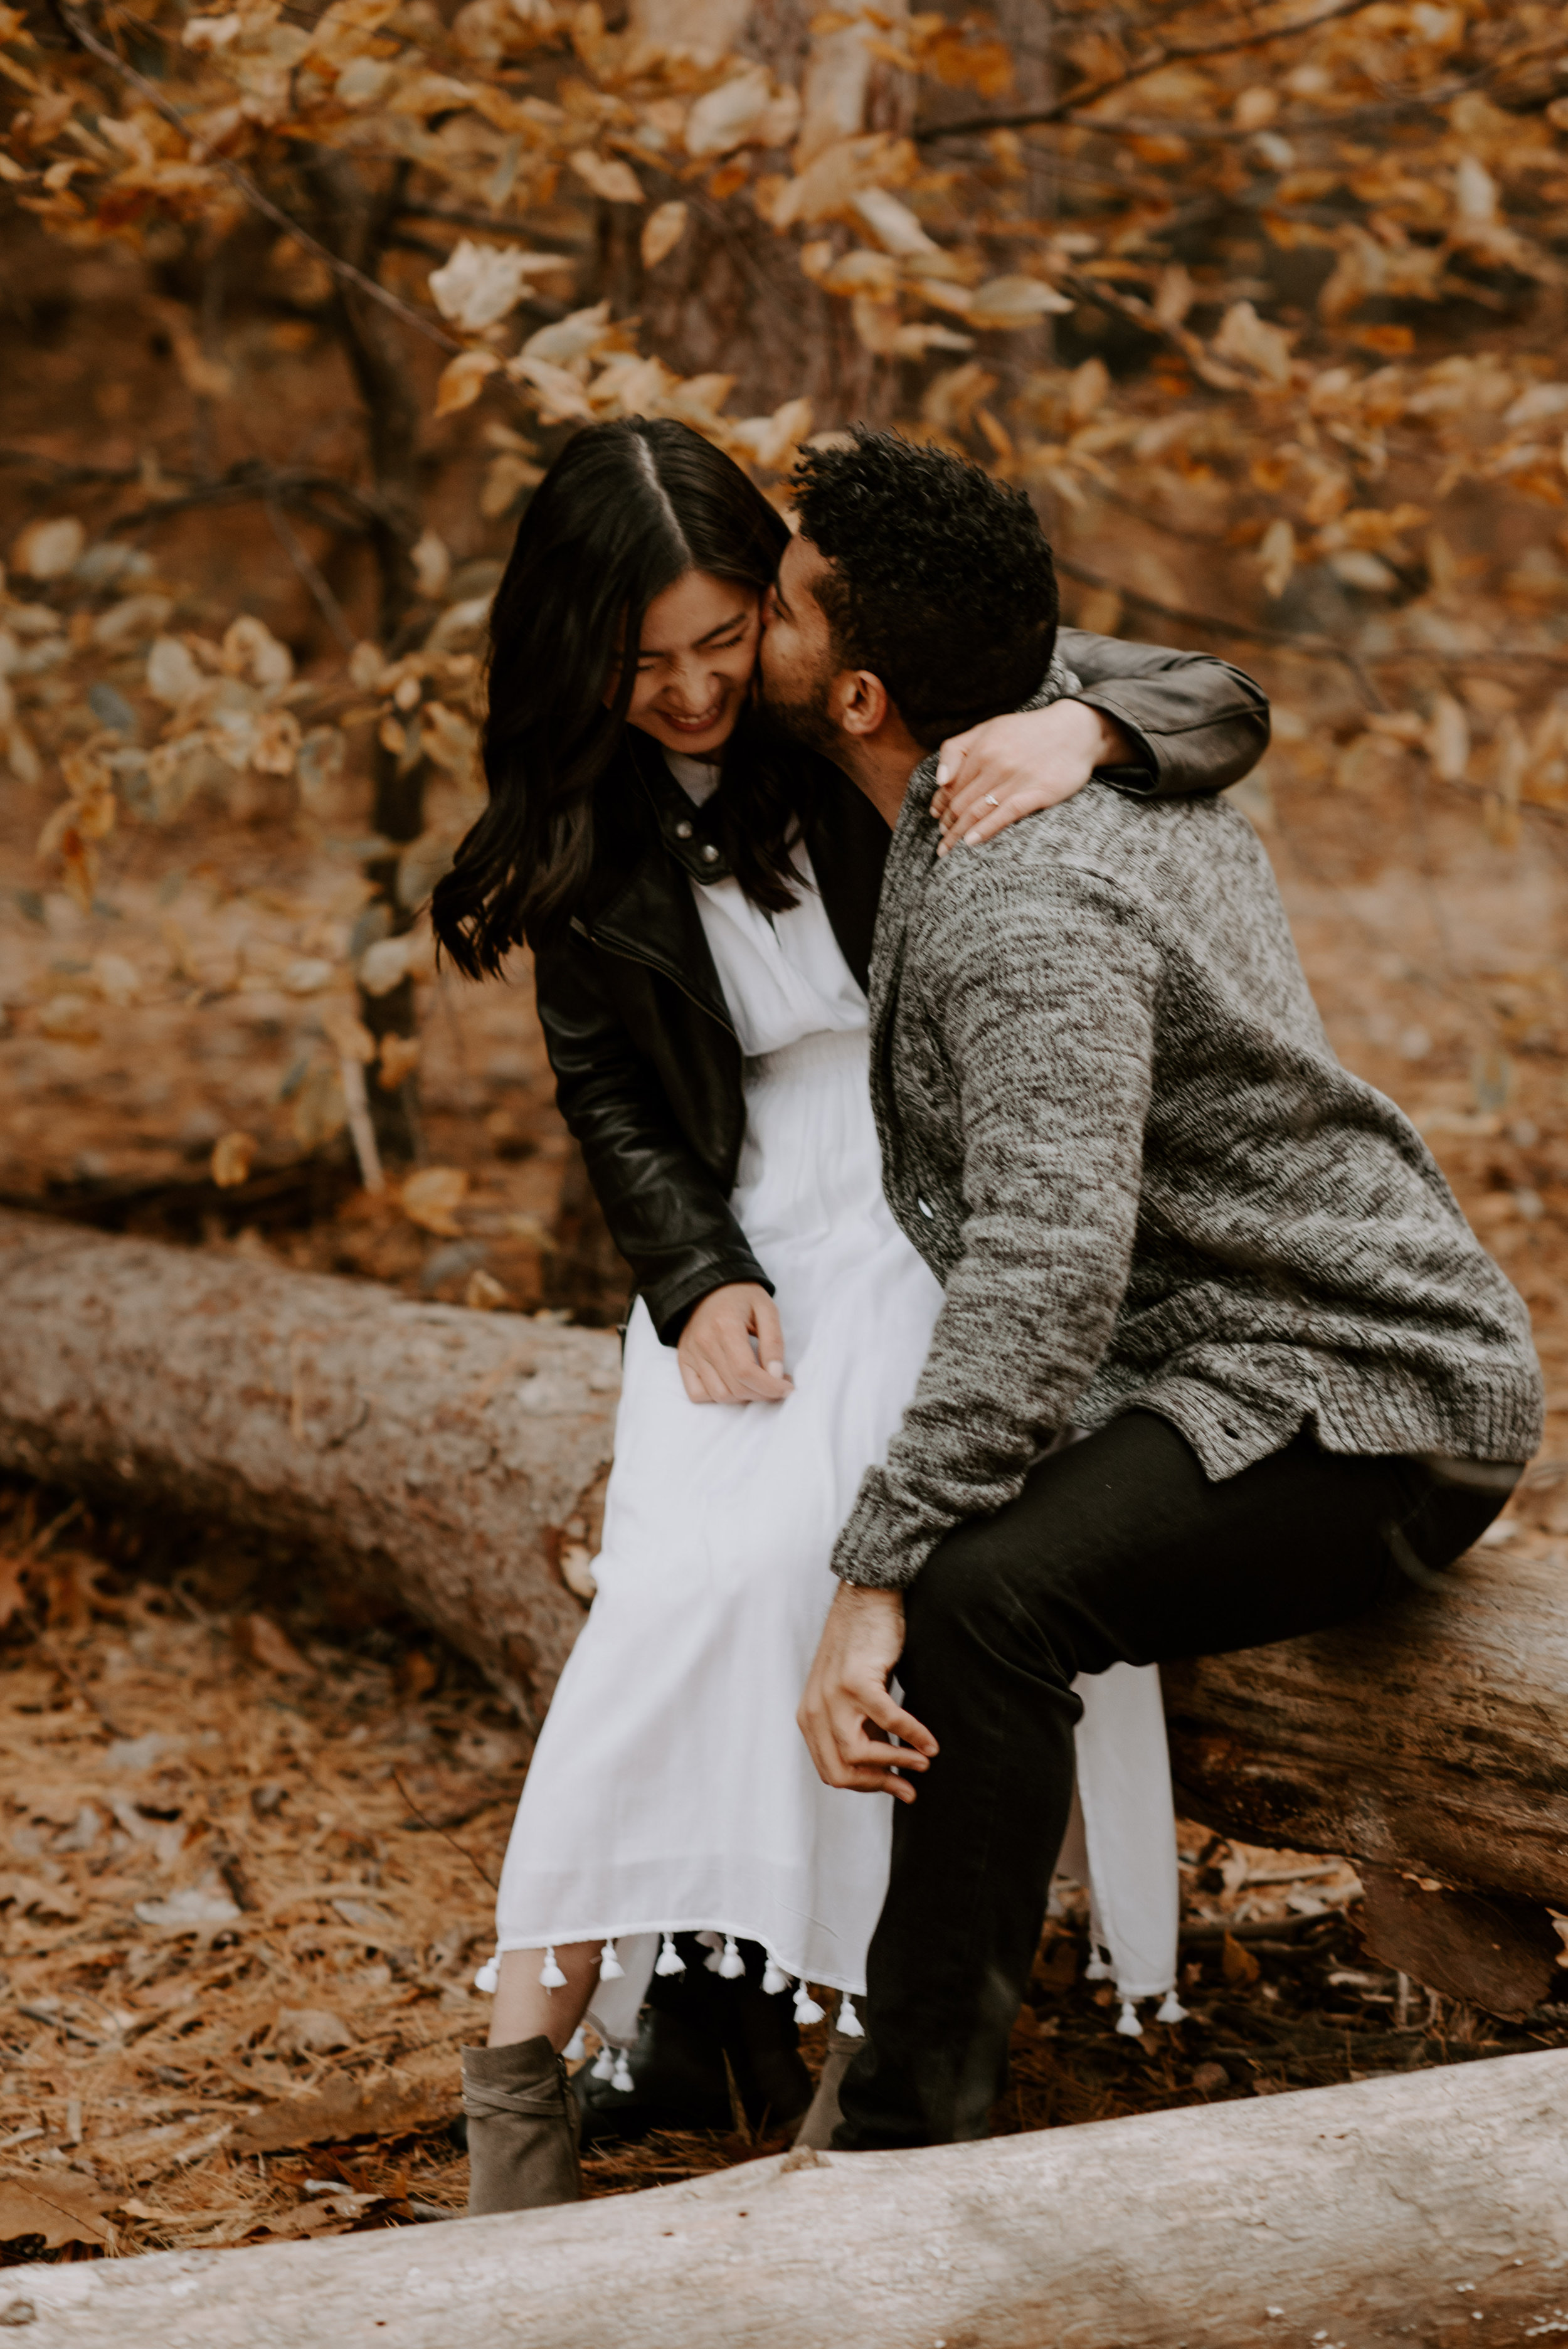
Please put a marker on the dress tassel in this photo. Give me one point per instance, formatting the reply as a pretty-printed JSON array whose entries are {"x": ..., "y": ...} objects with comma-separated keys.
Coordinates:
[
  {"x": 775, "y": 1979},
  {"x": 669, "y": 1960},
  {"x": 605, "y": 2063},
  {"x": 1126, "y": 2022},
  {"x": 609, "y": 1966},
  {"x": 806, "y": 2007},
  {"x": 1171, "y": 2008},
  {"x": 550, "y": 1974},
  {"x": 621, "y": 2076},
  {"x": 576, "y": 2047},
  {"x": 849, "y": 2023},
  {"x": 488, "y": 1976},
  {"x": 732, "y": 1965},
  {"x": 1098, "y": 1968}
]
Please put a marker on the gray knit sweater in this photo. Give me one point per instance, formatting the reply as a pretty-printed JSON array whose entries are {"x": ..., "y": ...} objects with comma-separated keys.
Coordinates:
[{"x": 1112, "y": 1124}]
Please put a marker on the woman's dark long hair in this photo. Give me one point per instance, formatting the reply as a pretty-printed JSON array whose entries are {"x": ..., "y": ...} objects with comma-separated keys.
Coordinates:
[{"x": 627, "y": 509}]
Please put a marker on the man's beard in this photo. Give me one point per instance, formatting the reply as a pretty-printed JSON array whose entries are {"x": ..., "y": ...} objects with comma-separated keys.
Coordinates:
[{"x": 805, "y": 720}]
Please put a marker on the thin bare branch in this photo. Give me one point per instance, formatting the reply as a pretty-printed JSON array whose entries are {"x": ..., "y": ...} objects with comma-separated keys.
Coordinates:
[
  {"x": 1315, "y": 648},
  {"x": 1071, "y": 109},
  {"x": 304, "y": 564}
]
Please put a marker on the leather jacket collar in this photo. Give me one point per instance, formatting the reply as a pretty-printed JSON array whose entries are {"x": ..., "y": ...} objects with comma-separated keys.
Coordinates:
[{"x": 652, "y": 839}]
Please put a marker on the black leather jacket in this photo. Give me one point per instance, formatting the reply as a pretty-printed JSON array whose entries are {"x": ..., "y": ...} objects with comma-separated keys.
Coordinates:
[{"x": 648, "y": 1072}]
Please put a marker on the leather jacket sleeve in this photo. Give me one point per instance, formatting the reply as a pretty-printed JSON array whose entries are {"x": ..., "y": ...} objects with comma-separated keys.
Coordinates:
[
  {"x": 667, "y": 1211},
  {"x": 1198, "y": 724}
]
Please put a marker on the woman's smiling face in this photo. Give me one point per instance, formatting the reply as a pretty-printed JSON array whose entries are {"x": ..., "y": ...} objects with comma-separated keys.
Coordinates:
[{"x": 695, "y": 661}]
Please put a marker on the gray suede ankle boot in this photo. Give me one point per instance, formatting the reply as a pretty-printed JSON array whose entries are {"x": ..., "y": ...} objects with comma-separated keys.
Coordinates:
[{"x": 523, "y": 2129}]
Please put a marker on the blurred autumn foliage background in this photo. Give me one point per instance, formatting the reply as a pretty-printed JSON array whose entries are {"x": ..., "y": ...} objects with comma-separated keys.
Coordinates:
[{"x": 1264, "y": 304}]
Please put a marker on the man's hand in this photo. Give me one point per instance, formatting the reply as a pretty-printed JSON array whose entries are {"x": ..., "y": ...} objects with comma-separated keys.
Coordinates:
[
  {"x": 732, "y": 1348},
  {"x": 846, "y": 1715},
  {"x": 991, "y": 776}
]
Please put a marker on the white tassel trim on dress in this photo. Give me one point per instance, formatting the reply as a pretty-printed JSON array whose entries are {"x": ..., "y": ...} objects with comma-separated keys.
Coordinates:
[
  {"x": 849, "y": 2023},
  {"x": 722, "y": 1958},
  {"x": 1169, "y": 2010},
  {"x": 605, "y": 2063},
  {"x": 576, "y": 2047}
]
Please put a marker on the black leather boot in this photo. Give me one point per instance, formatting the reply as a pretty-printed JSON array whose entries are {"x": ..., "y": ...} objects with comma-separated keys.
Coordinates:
[{"x": 691, "y": 2023}]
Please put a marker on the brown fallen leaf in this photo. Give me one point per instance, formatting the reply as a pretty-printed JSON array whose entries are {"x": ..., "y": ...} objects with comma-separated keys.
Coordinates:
[
  {"x": 1238, "y": 1964},
  {"x": 343, "y": 2108},
  {"x": 12, "y": 1595},
  {"x": 310, "y": 2031},
  {"x": 432, "y": 1197},
  {"x": 30, "y": 1894},
  {"x": 262, "y": 1640},
  {"x": 369, "y": 1915},
  {"x": 399, "y": 1059},
  {"x": 60, "y": 2210},
  {"x": 233, "y": 1155},
  {"x": 416, "y": 1672}
]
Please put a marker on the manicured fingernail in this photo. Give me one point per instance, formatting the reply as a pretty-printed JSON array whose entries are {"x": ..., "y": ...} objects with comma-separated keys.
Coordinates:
[
  {"x": 775, "y": 1370},
  {"x": 943, "y": 773},
  {"x": 971, "y": 840}
]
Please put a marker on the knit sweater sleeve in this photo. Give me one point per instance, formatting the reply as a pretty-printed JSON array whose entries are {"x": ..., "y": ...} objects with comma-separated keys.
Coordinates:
[{"x": 1041, "y": 993}]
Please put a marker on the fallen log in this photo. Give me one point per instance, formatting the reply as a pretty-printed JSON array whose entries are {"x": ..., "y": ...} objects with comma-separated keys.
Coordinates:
[
  {"x": 450, "y": 1457},
  {"x": 1428, "y": 1741},
  {"x": 1399, "y": 2210},
  {"x": 457, "y": 1456}
]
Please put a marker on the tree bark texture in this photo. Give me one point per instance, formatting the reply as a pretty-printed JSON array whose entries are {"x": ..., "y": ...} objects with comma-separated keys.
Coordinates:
[
  {"x": 1430, "y": 1735},
  {"x": 1396, "y": 2211},
  {"x": 731, "y": 298},
  {"x": 445, "y": 1455}
]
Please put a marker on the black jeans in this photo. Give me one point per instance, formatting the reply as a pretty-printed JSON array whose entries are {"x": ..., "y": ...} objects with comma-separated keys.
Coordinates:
[{"x": 1117, "y": 1550}]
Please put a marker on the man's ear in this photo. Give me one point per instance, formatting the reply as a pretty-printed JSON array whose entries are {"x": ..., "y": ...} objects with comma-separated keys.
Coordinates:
[{"x": 860, "y": 703}]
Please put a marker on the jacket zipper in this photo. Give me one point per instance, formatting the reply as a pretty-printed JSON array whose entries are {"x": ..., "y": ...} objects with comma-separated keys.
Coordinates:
[{"x": 665, "y": 970}]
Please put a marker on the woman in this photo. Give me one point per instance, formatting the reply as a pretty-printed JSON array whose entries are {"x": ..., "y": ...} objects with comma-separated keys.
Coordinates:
[{"x": 700, "y": 900}]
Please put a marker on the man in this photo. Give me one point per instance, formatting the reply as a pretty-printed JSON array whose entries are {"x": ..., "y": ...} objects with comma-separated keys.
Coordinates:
[{"x": 1162, "y": 1211}]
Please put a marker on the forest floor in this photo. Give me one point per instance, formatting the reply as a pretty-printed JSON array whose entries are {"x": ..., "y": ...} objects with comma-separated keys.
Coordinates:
[
  {"x": 251, "y": 1841},
  {"x": 248, "y": 1829}
]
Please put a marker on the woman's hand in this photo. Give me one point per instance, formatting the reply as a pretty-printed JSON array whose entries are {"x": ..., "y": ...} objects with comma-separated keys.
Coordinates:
[
  {"x": 847, "y": 1717},
  {"x": 991, "y": 776},
  {"x": 732, "y": 1348}
]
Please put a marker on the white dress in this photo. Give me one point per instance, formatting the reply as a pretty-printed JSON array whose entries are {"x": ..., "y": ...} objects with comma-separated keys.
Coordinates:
[{"x": 671, "y": 1790}]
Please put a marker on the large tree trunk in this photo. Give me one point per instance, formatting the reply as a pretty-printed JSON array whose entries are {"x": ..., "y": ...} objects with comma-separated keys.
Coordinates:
[
  {"x": 458, "y": 1458},
  {"x": 731, "y": 298},
  {"x": 453, "y": 1457},
  {"x": 1393, "y": 2214}
]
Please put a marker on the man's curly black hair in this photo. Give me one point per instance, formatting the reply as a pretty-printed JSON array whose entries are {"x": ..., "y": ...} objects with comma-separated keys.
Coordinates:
[{"x": 943, "y": 584}]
